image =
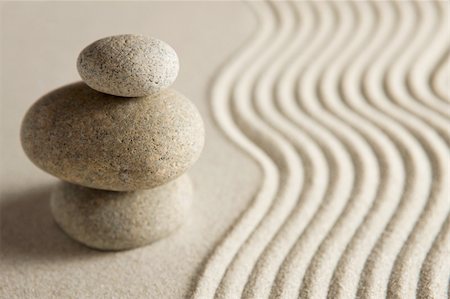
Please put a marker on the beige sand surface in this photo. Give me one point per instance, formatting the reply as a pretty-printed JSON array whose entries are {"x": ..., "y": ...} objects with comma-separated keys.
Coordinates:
[
  {"x": 40, "y": 44},
  {"x": 326, "y": 169}
]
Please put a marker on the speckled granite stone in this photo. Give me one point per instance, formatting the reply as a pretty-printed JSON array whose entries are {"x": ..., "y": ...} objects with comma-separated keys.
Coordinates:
[
  {"x": 121, "y": 220},
  {"x": 101, "y": 141},
  {"x": 128, "y": 65}
]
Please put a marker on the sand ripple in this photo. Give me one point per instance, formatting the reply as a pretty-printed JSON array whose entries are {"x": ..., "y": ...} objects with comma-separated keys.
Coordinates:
[{"x": 345, "y": 107}]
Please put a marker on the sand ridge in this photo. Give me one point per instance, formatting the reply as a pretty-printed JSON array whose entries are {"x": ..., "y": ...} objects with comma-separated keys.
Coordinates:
[{"x": 350, "y": 77}]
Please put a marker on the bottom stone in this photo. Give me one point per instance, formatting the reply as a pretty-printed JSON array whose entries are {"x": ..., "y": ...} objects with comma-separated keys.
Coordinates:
[{"x": 112, "y": 220}]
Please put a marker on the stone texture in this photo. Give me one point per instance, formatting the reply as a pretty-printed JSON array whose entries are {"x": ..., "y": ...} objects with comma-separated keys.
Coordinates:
[
  {"x": 112, "y": 143},
  {"x": 128, "y": 65},
  {"x": 121, "y": 220}
]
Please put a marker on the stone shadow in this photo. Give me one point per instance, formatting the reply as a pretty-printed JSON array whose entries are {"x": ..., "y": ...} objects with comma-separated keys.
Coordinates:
[{"x": 28, "y": 231}]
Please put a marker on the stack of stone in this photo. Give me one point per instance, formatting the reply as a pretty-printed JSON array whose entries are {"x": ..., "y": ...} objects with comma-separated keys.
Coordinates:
[{"x": 121, "y": 141}]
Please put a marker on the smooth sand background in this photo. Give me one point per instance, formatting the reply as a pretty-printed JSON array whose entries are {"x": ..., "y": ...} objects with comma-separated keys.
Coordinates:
[
  {"x": 40, "y": 44},
  {"x": 338, "y": 186}
]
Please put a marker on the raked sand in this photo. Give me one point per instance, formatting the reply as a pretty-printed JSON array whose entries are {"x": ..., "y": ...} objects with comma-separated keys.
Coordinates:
[{"x": 326, "y": 169}]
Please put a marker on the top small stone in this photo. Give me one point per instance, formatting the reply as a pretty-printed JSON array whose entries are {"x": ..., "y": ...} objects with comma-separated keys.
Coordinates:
[{"x": 128, "y": 65}]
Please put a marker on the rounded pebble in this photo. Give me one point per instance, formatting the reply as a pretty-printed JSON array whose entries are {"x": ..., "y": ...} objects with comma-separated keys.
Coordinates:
[
  {"x": 111, "y": 220},
  {"x": 128, "y": 65},
  {"x": 100, "y": 141}
]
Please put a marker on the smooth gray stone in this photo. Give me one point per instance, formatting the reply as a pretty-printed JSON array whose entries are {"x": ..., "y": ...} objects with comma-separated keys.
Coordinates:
[
  {"x": 112, "y": 220},
  {"x": 101, "y": 141},
  {"x": 128, "y": 65}
]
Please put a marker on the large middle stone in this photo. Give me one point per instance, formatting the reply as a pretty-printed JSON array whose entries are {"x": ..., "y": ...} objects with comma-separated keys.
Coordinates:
[{"x": 113, "y": 143}]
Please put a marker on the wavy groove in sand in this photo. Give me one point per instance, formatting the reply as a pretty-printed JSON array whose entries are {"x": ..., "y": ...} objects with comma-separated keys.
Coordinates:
[
  {"x": 345, "y": 108},
  {"x": 250, "y": 92},
  {"x": 434, "y": 134}
]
